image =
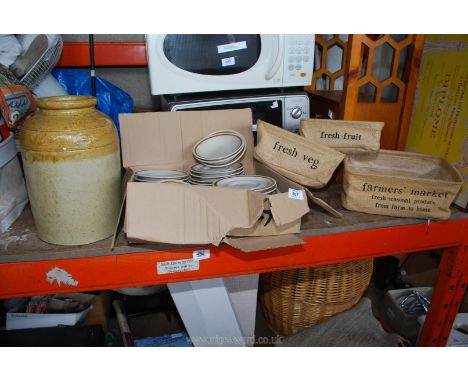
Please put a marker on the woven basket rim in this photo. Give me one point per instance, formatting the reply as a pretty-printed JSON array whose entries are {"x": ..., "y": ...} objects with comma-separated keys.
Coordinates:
[{"x": 287, "y": 311}]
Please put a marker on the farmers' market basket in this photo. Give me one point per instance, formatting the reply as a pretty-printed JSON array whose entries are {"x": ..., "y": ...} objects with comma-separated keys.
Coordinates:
[{"x": 295, "y": 299}]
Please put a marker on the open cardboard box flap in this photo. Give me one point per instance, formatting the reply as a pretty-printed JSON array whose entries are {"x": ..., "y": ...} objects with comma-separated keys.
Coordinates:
[
  {"x": 284, "y": 184},
  {"x": 186, "y": 214},
  {"x": 165, "y": 140},
  {"x": 260, "y": 243}
]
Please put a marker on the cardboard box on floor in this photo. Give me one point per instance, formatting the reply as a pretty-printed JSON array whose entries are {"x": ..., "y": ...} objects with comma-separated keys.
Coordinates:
[
  {"x": 17, "y": 318},
  {"x": 186, "y": 214},
  {"x": 393, "y": 315},
  {"x": 422, "y": 270},
  {"x": 100, "y": 310}
]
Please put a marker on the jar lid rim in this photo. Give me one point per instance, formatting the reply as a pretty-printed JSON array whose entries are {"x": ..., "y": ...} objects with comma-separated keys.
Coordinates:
[{"x": 66, "y": 102}]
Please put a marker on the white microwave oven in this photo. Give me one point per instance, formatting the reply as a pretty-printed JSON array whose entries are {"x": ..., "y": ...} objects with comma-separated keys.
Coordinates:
[{"x": 218, "y": 62}]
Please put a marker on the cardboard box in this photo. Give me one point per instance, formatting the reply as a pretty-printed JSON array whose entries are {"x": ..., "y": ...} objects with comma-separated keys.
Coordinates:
[
  {"x": 458, "y": 336},
  {"x": 17, "y": 319},
  {"x": 100, "y": 310},
  {"x": 392, "y": 315},
  {"x": 421, "y": 269},
  {"x": 187, "y": 214},
  {"x": 440, "y": 112}
]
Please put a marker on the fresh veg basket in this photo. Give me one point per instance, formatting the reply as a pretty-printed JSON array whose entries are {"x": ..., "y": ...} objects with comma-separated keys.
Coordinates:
[
  {"x": 295, "y": 299},
  {"x": 305, "y": 162}
]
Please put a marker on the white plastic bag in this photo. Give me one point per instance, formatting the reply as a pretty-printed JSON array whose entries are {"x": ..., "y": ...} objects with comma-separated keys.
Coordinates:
[
  {"x": 13, "y": 195},
  {"x": 10, "y": 48}
]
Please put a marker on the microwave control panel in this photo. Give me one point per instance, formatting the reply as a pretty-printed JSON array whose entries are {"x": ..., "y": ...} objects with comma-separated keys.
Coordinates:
[
  {"x": 295, "y": 109},
  {"x": 284, "y": 110},
  {"x": 298, "y": 59}
]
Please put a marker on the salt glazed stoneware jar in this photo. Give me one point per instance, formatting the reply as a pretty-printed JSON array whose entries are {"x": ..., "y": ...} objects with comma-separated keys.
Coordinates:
[{"x": 71, "y": 161}]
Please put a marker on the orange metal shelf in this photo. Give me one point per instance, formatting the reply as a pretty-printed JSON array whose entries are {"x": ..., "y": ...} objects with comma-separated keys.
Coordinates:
[
  {"x": 133, "y": 269},
  {"x": 136, "y": 269},
  {"x": 105, "y": 54}
]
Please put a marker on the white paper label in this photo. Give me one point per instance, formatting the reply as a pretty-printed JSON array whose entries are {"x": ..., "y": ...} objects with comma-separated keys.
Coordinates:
[
  {"x": 60, "y": 276},
  {"x": 201, "y": 254},
  {"x": 230, "y": 47},
  {"x": 175, "y": 266},
  {"x": 295, "y": 194},
  {"x": 228, "y": 61}
]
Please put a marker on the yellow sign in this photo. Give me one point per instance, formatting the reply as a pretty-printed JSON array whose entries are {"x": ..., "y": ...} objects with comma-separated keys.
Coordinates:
[{"x": 439, "y": 123}]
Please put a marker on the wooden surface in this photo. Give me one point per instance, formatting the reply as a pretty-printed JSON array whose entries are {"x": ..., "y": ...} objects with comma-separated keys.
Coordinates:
[
  {"x": 334, "y": 96},
  {"x": 21, "y": 243},
  {"x": 412, "y": 80},
  {"x": 323, "y": 70},
  {"x": 394, "y": 114},
  {"x": 357, "y": 70},
  {"x": 324, "y": 102}
]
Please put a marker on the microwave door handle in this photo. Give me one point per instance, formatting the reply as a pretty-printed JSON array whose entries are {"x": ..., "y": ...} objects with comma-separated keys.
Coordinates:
[{"x": 279, "y": 57}]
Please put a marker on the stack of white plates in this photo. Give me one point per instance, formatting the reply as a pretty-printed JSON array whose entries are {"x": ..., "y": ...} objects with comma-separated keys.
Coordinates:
[
  {"x": 263, "y": 184},
  {"x": 220, "y": 149},
  {"x": 160, "y": 175},
  {"x": 204, "y": 175}
]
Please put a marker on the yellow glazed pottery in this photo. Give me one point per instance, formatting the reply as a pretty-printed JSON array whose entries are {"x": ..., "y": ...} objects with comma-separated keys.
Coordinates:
[{"x": 71, "y": 161}]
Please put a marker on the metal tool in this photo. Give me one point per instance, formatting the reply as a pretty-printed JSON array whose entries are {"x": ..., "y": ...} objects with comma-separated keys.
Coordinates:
[{"x": 415, "y": 304}]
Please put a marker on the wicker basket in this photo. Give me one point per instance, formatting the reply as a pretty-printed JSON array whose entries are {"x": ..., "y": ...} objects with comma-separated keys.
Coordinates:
[{"x": 296, "y": 299}]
